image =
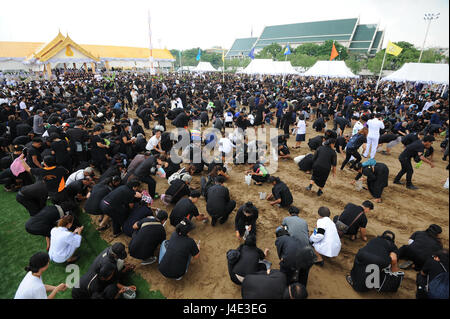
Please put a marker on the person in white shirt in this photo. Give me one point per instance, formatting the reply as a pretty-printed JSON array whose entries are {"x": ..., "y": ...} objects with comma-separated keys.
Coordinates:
[
  {"x": 80, "y": 174},
  {"x": 228, "y": 115},
  {"x": 63, "y": 242},
  {"x": 154, "y": 143},
  {"x": 300, "y": 131},
  {"x": 357, "y": 126},
  {"x": 32, "y": 286},
  {"x": 225, "y": 145},
  {"x": 325, "y": 238},
  {"x": 374, "y": 125},
  {"x": 427, "y": 105}
]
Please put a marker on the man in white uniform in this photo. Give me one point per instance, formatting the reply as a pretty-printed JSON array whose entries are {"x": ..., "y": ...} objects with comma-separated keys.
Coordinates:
[{"x": 374, "y": 125}]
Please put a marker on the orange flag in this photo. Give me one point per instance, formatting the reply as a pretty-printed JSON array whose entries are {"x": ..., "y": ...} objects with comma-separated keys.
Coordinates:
[{"x": 334, "y": 52}]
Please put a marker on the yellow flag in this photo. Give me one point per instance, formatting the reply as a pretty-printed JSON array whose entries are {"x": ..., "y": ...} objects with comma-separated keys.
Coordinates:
[
  {"x": 393, "y": 49},
  {"x": 223, "y": 56}
]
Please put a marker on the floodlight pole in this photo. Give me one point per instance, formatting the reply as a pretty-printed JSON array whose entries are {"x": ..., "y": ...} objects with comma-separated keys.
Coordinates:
[{"x": 428, "y": 17}]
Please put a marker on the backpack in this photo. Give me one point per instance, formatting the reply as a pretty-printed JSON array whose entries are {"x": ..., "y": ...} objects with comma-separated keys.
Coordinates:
[{"x": 177, "y": 175}]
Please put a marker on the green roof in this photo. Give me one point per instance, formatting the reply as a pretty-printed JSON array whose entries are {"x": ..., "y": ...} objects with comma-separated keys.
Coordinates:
[
  {"x": 241, "y": 46},
  {"x": 305, "y": 32},
  {"x": 364, "y": 32}
]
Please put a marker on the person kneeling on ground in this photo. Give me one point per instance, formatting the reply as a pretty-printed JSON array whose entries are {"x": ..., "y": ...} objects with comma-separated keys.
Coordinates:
[
  {"x": 281, "y": 195},
  {"x": 219, "y": 205},
  {"x": 175, "y": 254},
  {"x": 185, "y": 208},
  {"x": 245, "y": 221},
  {"x": 63, "y": 242},
  {"x": 354, "y": 220},
  {"x": 432, "y": 281},
  {"x": 271, "y": 284},
  {"x": 149, "y": 233},
  {"x": 250, "y": 260},
  {"x": 421, "y": 245},
  {"x": 378, "y": 259}
]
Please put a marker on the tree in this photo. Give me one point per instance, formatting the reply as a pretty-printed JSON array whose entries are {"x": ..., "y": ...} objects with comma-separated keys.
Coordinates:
[
  {"x": 355, "y": 64},
  {"x": 270, "y": 51}
]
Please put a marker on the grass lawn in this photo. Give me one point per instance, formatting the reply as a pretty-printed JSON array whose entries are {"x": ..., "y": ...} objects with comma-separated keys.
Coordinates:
[{"x": 18, "y": 246}]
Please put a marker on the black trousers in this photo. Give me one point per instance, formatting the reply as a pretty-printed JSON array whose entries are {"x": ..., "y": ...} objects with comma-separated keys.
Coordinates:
[
  {"x": 151, "y": 183},
  {"x": 348, "y": 155},
  {"x": 295, "y": 275},
  {"x": 32, "y": 205},
  {"x": 406, "y": 169},
  {"x": 229, "y": 207},
  {"x": 117, "y": 215}
]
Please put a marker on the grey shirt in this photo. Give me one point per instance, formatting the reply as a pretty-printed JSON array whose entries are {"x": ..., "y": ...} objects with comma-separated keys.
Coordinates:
[
  {"x": 38, "y": 126},
  {"x": 297, "y": 228}
]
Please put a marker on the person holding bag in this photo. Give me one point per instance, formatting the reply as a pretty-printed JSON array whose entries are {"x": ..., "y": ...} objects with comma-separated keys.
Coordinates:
[{"x": 353, "y": 219}]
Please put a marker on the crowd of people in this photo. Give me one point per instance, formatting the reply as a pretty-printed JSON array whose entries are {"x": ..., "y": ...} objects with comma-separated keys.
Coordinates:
[{"x": 78, "y": 141}]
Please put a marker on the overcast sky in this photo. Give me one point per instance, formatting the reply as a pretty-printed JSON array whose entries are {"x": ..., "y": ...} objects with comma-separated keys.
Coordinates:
[{"x": 178, "y": 24}]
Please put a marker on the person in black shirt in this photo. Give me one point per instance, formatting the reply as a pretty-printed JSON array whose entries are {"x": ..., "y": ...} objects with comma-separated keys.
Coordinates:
[
  {"x": 271, "y": 284},
  {"x": 143, "y": 173},
  {"x": 324, "y": 161},
  {"x": 185, "y": 208},
  {"x": 33, "y": 197},
  {"x": 380, "y": 251},
  {"x": 320, "y": 124},
  {"x": 33, "y": 156},
  {"x": 414, "y": 150},
  {"x": 281, "y": 195},
  {"x": 219, "y": 205},
  {"x": 175, "y": 254},
  {"x": 140, "y": 211},
  {"x": 116, "y": 204},
  {"x": 353, "y": 146},
  {"x": 61, "y": 150},
  {"x": 391, "y": 140},
  {"x": 99, "y": 150},
  {"x": 182, "y": 119},
  {"x": 421, "y": 245},
  {"x": 295, "y": 259},
  {"x": 249, "y": 260},
  {"x": 77, "y": 137},
  {"x": 315, "y": 142},
  {"x": 149, "y": 233},
  {"x": 98, "y": 285},
  {"x": 377, "y": 178},
  {"x": 341, "y": 143},
  {"x": 355, "y": 218},
  {"x": 435, "y": 267},
  {"x": 246, "y": 217}
]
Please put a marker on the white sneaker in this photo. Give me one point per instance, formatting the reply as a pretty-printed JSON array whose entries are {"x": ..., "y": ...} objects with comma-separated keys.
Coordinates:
[
  {"x": 179, "y": 278},
  {"x": 148, "y": 261}
]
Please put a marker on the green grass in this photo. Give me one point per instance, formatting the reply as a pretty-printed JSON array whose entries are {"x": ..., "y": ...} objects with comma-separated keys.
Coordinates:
[{"x": 18, "y": 246}]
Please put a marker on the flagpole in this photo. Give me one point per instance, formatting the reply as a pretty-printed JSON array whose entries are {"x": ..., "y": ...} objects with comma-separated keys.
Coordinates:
[
  {"x": 223, "y": 66},
  {"x": 381, "y": 70}
]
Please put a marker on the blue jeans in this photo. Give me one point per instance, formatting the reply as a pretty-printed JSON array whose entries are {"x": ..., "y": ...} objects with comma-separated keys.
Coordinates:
[{"x": 162, "y": 252}]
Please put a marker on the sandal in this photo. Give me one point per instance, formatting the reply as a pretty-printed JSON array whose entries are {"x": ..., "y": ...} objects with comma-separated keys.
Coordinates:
[{"x": 405, "y": 265}]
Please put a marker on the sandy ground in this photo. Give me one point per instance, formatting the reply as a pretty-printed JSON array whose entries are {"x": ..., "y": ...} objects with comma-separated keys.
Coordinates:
[{"x": 402, "y": 211}]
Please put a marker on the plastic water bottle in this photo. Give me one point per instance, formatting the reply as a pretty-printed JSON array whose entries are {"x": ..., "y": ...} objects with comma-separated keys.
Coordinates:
[{"x": 247, "y": 232}]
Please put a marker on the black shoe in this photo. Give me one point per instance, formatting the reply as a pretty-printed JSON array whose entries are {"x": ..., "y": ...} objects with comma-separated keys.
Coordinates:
[
  {"x": 319, "y": 192},
  {"x": 412, "y": 187},
  {"x": 398, "y": 182},
  {"x": 223, "y": 220},
  {"x": 213, "y": 221}
]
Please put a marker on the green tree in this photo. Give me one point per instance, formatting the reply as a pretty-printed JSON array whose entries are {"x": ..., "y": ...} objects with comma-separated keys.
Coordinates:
[
  {"x": 269, "y": 52},
  {"x": 355, "y": 64}
]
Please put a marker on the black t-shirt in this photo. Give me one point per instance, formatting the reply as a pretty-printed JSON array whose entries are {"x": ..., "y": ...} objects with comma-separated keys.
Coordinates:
[
  {"x": 281, "y": 190},
  {"x": 218, "y": 198},
  {"x": 261, "y": 285},
  {"x": 325, "y": 157},
  {"x": 351, "y": 211},
  {"x": 60, "y": 149},
  {"x": 136, "y": 215},
  {"x": 424, "y": 245},
  {"x": 103, "y": 258},
  {"x": 90, "y": 284},
  {"x": 177, "y": 190},
  {"x": 409, "y": 138},
  {"x": 386, "y": 138},
  {"x": 434, "y": 268},
  {"x": 144, "y": 168},
  {"x": 147, "y": 238},
  {"x": 287, "y": 248},
  {"x": 110, "y": 172},
  {"x": 92, "y": 204},
  {"x": 97, "y": 152},
  {"x": 376, "y": 252},
  {"x": 54, "y": 177},
  {"x": 183, "y": 208},
  {"x": 23, "y": 129},
  {"x": 121, "y": 196},
  {"x": 412, "y": 150},
  {"x": 33, "y": 151},
  {"x": 248, "y": 260},
  {"x": 174, "y": 262}
]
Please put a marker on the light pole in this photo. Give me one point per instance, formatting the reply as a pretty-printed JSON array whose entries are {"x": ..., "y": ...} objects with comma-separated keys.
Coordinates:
[{"x": 429, "y": 17}]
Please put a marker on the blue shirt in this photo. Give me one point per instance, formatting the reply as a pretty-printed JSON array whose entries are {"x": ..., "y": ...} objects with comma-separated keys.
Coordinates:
[{"x": 280, "y": 107}]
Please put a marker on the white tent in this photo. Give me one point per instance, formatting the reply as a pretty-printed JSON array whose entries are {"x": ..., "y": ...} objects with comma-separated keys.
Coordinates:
[
  {"x": 332, "y": 69},
  {"x": 420, "y": 72},
  {"x": 204, "y": 67},
  {"x": 260, "y": 66},
  {"x": 285, "y": 67}
]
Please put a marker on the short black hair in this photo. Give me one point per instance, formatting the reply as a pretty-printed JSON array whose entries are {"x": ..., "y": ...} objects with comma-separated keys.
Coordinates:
[
  {"x": 195, "y": 194},
  {"x": 293, "y": 210},
  {"x": 324, "y": 212},
  {"x": 368, "y": 204},
  {"x": 429, "y": 138},
  {"x": 220, "y": 179}
]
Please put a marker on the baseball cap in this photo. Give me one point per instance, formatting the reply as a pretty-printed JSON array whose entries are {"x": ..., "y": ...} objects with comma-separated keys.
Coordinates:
[{"x": 119, "y": 250}]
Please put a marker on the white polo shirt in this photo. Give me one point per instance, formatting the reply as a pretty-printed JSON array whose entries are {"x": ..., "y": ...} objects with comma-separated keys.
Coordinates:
[{"x": 31, "y": 287}]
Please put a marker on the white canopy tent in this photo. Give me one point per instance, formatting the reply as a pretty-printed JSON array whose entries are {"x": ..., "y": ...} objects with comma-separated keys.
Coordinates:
[
  {"x": 204, "y": 67},
  {"x": 260, "y": 66},
  {"x": 332, "y": 69},
  {"x": 285, "y": 68},
  {"x": 420, "y": 72}
]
